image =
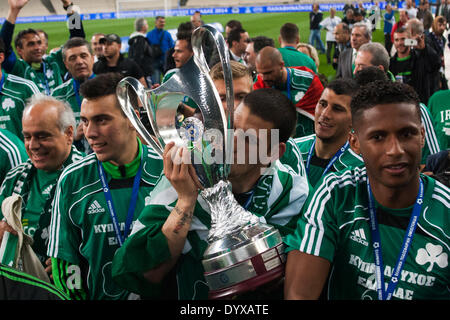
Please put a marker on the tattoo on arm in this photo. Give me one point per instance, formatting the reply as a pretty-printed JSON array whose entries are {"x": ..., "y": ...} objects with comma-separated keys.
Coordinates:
[{"x": 185, "y": 217}]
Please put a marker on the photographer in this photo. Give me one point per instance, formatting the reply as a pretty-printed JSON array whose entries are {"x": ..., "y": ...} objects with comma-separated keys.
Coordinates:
[{"x": 415, "y": 63}]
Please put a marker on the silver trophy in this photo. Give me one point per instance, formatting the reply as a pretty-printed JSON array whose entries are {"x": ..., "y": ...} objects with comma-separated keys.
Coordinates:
[{"x": 243, "y": 253}]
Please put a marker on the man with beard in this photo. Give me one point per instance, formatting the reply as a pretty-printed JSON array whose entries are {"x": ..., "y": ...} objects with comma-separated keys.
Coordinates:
[
  {"x": 299, "y": 84},
  {"x": 253, "y": 48},
  {"x": 328, "y": 149},
  {"x": 114, "y": 61}
]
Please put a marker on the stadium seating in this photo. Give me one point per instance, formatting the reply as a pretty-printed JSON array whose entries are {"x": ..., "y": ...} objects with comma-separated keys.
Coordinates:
[
  {"x": 231, "y": 3},
  {"x": 36, "y": 8}
]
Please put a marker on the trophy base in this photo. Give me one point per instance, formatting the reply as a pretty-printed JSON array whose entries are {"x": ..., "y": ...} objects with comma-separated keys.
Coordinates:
[
  {"x": 247, "y": 275},
  {"x": 247, "y": 285}
]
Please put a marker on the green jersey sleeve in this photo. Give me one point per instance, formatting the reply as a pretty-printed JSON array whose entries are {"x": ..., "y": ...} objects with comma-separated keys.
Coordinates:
[
  {"x": 316, "y": 231},
  {"x": 63, "y": 244},
  {"x": 432, "y": 144},
  {"x": 12, "y": 152},
  {"x": 67, "y": 278}
]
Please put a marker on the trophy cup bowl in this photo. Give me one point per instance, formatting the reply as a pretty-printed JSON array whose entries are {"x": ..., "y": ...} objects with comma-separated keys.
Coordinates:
[{"x": 243, "y": 252}]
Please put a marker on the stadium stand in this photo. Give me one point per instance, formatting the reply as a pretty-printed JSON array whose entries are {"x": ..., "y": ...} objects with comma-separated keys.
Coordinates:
[{"x": 36, "y": 8}]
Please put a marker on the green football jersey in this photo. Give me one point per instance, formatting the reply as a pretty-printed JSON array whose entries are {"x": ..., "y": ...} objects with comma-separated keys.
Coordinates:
[
  {"x": 432, "y": 145},
  {"x": 303, "y": 88},
  {"x": 13, "y": 97},
  {"x": 69, "y": 92},
  {"x": 37, "y": 189},
  {"x": 294, "y": 58},
  {"x": 317, "y": 165},
  {"x": 12, "y": 152},
  {"x": 300, "y": 83},
  {"x": 47, "y": 75},
  {"x": 278, "y": 198},
  {"x": 439, "y": 105},
  {"x": 336, "y": 226},
  {"x": 82, "y": 231},
  {"x": 66, "y": 92}
]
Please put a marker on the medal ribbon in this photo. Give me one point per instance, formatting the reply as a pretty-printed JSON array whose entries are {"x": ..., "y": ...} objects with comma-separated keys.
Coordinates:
[
  {"x": 332, "y": 160},
  {"x": 376, "y": 242},
  {"x": 132, "y": 206}
]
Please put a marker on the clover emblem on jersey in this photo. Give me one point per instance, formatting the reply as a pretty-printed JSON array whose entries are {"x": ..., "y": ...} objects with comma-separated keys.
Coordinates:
[
  {"x": 8, "y": 103},
  {"x": 432, "y": 254},
  {"x": 299, "y": 96},
  {"x": 49, "y": 74}
]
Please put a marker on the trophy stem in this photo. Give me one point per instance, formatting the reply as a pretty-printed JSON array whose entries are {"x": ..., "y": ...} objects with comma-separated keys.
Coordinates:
[{"x": 227, "y": 215}]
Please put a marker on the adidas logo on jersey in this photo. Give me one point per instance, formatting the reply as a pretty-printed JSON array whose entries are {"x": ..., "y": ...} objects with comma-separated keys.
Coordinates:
[
  {"x": 359, "y": 236},
  {"x": 95, "y": 207},
  {"x": 47, "y": 190}
]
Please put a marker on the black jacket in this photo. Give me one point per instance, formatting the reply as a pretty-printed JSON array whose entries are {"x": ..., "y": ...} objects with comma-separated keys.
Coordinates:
[
  {"x": 125, "y": 66},
  {"x": 314, "y": 19},
  {"x": 337, "y": 52},
  {"x": 344, "y": 67},
  {"x": 17, "y": 285},
  {"x": 425, "y": 65},
  {"x": 140, "y": 52}
]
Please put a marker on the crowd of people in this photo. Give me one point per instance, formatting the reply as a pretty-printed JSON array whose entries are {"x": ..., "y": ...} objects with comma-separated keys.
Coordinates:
[{"x": 357, "y": 183}]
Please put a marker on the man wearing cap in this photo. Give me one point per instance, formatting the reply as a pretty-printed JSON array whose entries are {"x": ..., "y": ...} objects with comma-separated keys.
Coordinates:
[{"x": 114, "y": 61}]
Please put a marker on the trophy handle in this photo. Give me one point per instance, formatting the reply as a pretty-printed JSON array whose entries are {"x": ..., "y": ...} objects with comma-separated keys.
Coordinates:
[
  {"x": 130, "y": 111},
  {"x": 200, "y": 61},
  {"x": 193, "y": 82}
]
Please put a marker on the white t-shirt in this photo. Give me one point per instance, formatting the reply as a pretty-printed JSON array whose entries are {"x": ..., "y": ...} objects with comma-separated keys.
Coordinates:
[
  {"x": 328, "y": 24},
  {"x": 412, "y": 13}
]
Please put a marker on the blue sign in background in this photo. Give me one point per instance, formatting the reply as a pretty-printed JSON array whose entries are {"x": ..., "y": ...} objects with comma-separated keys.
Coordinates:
[{"x": 190, "y": 11}]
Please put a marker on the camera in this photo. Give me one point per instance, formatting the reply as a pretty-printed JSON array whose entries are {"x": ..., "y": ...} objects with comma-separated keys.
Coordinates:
[{"x": 410, "y": 42}]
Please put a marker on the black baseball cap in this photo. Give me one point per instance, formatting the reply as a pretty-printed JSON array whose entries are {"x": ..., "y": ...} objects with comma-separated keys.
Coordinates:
[{"x": 112, "y": 37}]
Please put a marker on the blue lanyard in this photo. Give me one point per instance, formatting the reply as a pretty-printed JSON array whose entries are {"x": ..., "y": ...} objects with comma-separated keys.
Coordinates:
[
  {"x": 76, "y": 89},
  {"x": 47, "y": 88},
  {"x": 332, "y": 160},
  {"x": 249, "y": 200},
  {"x": 2, "y": 81},
  {"x": 288, "y": 84},
  {"x": 134, "y": 195},
  {"x": 376, "y": 241}
]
